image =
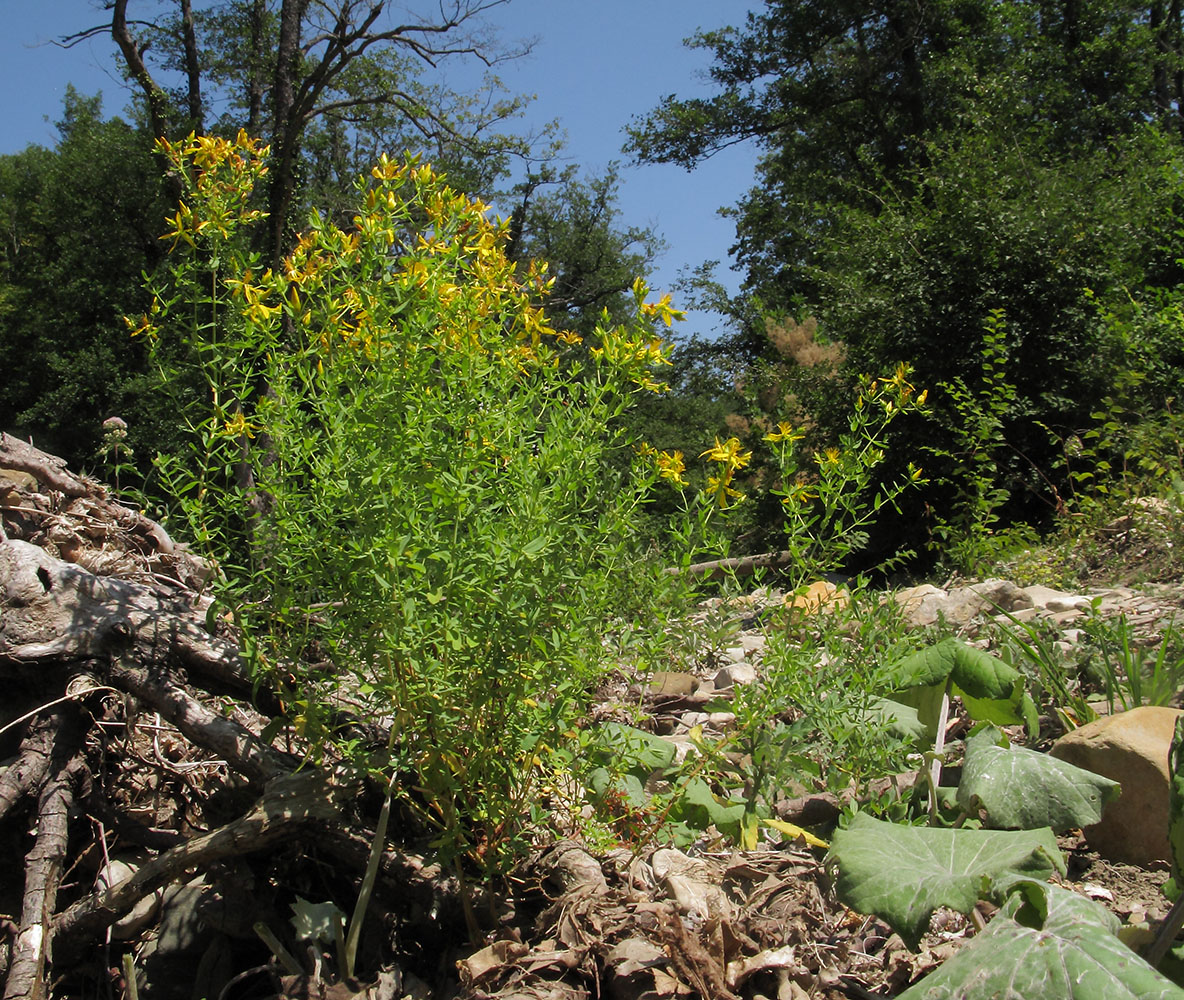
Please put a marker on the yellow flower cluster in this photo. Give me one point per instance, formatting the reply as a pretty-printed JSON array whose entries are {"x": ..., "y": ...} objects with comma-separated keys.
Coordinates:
[
  {"x": 416, "y": 248},
  {"x": 218, "y": 175},
  {"x": 730, "y": 458}
]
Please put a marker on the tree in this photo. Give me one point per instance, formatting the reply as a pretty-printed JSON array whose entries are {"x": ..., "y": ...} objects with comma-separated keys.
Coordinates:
[
  {"x": 80, "y": 226},
  {"x": 285, "y": 67},
  {"x": 930, "y": 166},
  {"x": 846, "y": 98},
  {"x": 574, "y": 225}
]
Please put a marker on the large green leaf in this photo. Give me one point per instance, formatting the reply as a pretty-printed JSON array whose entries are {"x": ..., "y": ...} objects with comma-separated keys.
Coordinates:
[
  {"x": 1070, "y": 954},
  {"x": 904, "y": 873},
  {"x": 991, "y": 690},
  {"x": 1024, "y": 790},
  {"x": 1176, "y": 801}
]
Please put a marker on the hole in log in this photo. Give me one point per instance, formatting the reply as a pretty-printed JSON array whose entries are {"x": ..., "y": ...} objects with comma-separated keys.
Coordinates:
[{"x": 45, "y": 578}]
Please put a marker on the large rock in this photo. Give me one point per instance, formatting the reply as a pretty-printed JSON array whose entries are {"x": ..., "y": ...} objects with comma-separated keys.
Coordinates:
[{"x": 1132, "y": 749}]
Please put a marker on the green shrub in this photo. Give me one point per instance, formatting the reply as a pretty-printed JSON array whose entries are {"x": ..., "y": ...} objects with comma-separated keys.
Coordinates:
[{"x": 400, "y": 466}]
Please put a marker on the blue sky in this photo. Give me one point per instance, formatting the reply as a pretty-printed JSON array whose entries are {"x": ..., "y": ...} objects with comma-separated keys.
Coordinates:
[{"x": 595, "y": 65}]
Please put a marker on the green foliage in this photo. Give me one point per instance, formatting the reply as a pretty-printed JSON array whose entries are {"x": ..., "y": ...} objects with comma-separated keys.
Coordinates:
[
  {"x": 1044, "y": 941},
  {"x": 1047, "y": 942},
  {"x": 904, "y": 873},
  {"x": 1032, "y": 648},
  {"x": 80, "y": 226},
  {"x": 398, "y": 463},
  {"x": 929, "y": 167},
  {"x": 975, "y": 418},
  {"x": 828, "y": 508},
  {"x": 991, "y": 691},
  {"x": 1019, "y": 789},
  {"x": 1132, "y": 673}
]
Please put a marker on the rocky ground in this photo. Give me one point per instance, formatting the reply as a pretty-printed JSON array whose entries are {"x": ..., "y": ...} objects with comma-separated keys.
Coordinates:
[{"x": 156, "y": 819}]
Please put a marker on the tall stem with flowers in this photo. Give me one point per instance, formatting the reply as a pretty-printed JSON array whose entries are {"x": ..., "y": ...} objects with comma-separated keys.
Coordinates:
[{"x": 828, "y": 498}]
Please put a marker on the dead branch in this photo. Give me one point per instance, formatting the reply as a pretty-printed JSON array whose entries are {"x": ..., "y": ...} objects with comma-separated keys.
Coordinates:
[
  {"x": 28, "y": 772},
  {"x": 43, "y": 864},
  {"x": 290, "y": 802},
  {"x": 739, "y": 566},
  {"x": 47, "y": 469},
  {"x": 243, "y": 751}
]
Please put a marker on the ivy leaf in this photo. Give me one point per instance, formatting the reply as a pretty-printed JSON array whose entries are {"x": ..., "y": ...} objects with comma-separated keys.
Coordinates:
[
  {"x": 1071, "y": 953},
  {"x": 1023, "y": 790},
  {"x": 904, "y": 873}
]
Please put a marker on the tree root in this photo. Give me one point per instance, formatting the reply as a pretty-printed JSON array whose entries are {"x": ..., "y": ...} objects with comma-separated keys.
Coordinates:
[{"x": 144, "y": 634}]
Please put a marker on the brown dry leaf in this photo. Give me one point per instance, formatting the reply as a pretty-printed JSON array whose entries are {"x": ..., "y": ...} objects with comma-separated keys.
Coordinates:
[
  {"x": 498, "y": 955},
  {"x": 778, "y": 958}
]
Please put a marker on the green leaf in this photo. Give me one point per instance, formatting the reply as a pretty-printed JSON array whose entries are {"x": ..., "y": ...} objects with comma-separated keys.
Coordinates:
[
  {"x": 1072, "y": 954},
  {"x": 991, "y": 690},
  {"x": 1023, "y": 790},
  {"x": 700, "y": 808},
  {"x": 904, "y": 873},
  {"x": 315, "y": 921},
  {"x": 1176, "y": 799},
  {"x": 644, "y": 752},
  {"x": 899, "y": 718}
]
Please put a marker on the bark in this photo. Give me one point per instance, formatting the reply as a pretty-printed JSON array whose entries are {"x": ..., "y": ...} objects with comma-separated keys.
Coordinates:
[
  {"x": 28, "y": 970},
  {"x": 255, "y": 84},
  {"x": 192, "y": 67},
  {"x": 242, "y": 750},
  {"x": 28, "y": 772},
  {"x": 133, "y": 55}
]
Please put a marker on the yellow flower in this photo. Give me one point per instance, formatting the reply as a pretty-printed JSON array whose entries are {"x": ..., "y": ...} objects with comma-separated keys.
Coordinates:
[
  {"x": 237, "y": 426},
  {"x": 784, "y": 432},
  {"x": 720, "y": 488},
  {"x": 671, "y": 467},
  {"x": 728, "y": 454}
]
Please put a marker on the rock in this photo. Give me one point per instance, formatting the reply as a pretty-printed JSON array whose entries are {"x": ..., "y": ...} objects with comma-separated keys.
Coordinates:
[
  {"x": 987, "y": 597},
  {"x": 820, "y": 594},
  {"x": 920, "y": 604},
  {"x": 672, "y": 682},
  {"x": 1056, "y": 600},
  {"x": 142, "y": 914},
  {"x": 1132, "y": 749},
  {"x": 733, "y": 674}
]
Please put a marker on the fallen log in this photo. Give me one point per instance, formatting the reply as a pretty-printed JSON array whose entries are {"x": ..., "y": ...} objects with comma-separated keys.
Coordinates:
[{"x": 44, "y": 863}]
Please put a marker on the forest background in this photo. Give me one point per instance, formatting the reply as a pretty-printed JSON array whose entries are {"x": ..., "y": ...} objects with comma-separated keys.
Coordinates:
[{"x": 987, "y": 192}]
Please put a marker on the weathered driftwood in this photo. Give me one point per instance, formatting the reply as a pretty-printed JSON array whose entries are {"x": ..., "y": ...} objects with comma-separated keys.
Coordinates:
[
  {"x": 142, "y": 633},
  {"x": 51, "y": 472}
]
